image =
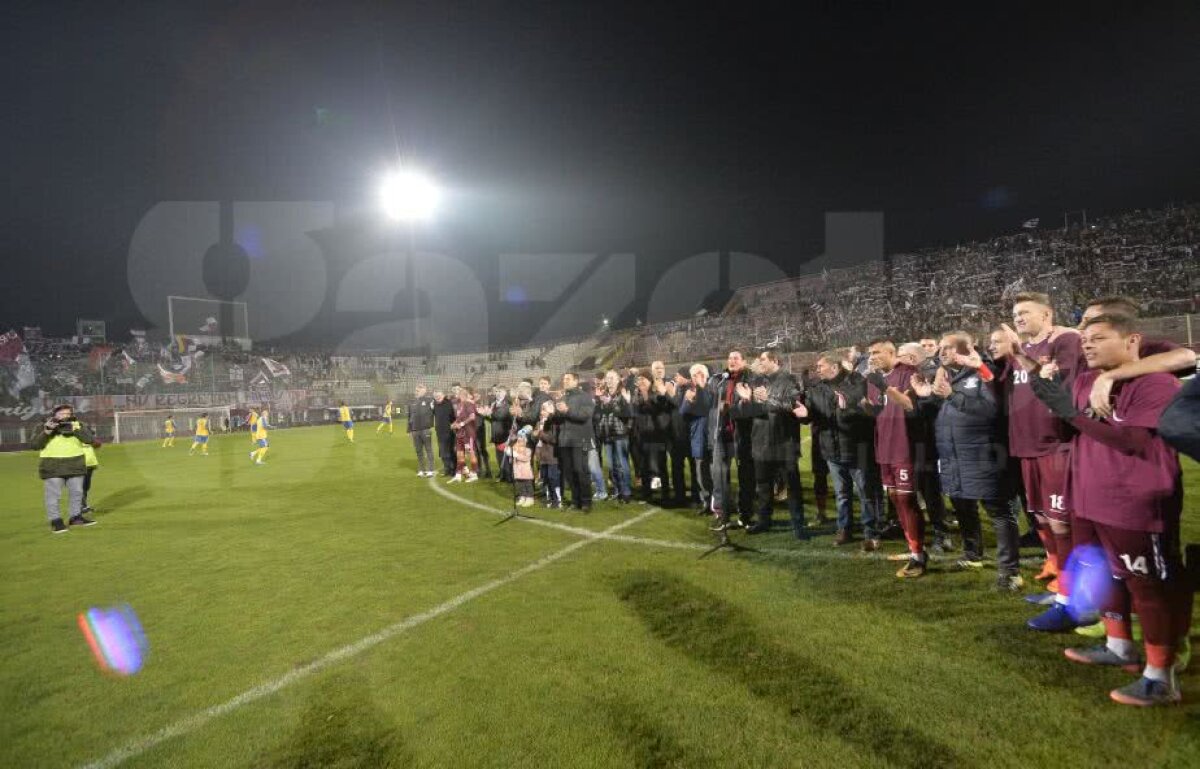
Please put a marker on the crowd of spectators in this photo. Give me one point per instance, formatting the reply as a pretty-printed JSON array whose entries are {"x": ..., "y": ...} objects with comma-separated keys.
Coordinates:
[{"x": 1150, "y": 256}]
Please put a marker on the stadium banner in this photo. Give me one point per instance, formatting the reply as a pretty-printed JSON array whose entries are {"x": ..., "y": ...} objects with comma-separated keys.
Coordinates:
[{"x": 98, "y": 409}]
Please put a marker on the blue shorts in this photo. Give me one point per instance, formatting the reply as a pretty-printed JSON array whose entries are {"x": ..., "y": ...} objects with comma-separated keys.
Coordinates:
[
  {"x": 262, "y": 443},
  {"x": 387, "y": 420},
  {"x": 200, "y": 439},
  {"x": 348, "y": 425}
]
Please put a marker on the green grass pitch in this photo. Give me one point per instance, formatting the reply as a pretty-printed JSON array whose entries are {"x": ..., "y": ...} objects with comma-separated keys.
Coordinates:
[{"x": 331, "y": 609}]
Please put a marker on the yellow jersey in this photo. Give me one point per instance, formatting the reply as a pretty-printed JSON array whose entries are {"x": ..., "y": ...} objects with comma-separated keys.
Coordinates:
[
  {"x": 202, "y": 426},
  {"x": 169, "y": 427},
  {"x": 252, "y": 419},
  {"x": 344, "y": 413},
  {"x": 260, "y": 427},
  {"x": 387, "y": 410}
]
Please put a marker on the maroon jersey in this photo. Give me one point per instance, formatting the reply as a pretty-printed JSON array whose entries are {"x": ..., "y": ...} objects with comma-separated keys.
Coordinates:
[
  {"x": 1032, "y": 430},
  {"x": 464, "y": 414},
  {"x": 893, "y": 444},
  {"x": 1127, "y": 491},
  {"x": 1146, "y": 348}
]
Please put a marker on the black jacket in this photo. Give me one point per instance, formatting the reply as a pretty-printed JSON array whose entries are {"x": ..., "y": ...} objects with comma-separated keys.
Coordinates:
[
  {"x": 652, "y": 417},
  {"x": 612, "y": 419},
  {"x": 845, "y": 433},
  {"x": 680, "y": 432},
  {"x": 723, "y": 423},
  {"x": 528, "y": 415},
  {"x": 443, "y": 417},
  {"x": 774, "y": 430},
  {"x": 1180, "y": 423},
  {"x": 420, "y": 414},
  {"x": 539, "y": 398},
  {"x": 501, "y": 419},
  {"x": 971, "y": 457},
  {"x": 576, "y": 430}
]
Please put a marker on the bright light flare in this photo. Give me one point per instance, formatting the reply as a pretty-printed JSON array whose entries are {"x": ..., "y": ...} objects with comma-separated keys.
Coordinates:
[{"x": 409, "y": 196}]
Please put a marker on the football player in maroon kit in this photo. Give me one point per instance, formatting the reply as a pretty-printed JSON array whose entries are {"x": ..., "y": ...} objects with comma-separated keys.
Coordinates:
[
  {"x": 1126, "y": 492},
  {"x": 1153, "y": 354},
  {"x": 890, "y": 398},
  {"x": 1039, "y": 440},
  {"x": 465, "y": 416}
]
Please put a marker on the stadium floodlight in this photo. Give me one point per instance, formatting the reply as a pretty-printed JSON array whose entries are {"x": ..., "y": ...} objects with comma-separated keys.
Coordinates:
[{"x": 409, "y": 196}]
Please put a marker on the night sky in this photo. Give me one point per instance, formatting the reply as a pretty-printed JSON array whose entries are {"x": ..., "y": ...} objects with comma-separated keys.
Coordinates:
[{"x": 581, "y": 129}]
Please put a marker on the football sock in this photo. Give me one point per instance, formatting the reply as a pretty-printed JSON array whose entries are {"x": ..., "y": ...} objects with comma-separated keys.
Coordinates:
[
  {"x": 911, "y": 520},
  {"x": 1122, "y": 647},
  {"x": 1156, "y": 673},
  {"x": 1062, "y": 546}
]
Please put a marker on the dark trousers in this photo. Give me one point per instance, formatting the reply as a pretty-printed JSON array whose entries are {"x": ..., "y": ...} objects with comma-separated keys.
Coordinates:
[
  {"x": 746, "y": 475},
  {"x": 446, "y": 452},
  {"x": 424, "y": 448},
  {"x": 678, "y": 456},
  {"x": 552, "y": 483},
  {"x": 848, "y": 480},
  {"x": 87, "y": 485},
  {"x": 654, "y": 465},
  {"x": 505, "y": 464},
  {"x": 481, "y": 456},
  {"x": 766, "y": 473},
  {"x": 636, "y": 460},
  {"x": 820, "y": 471},
  {"x": 930, "y": 487},
  {"x": 702, "y": 477},
  {"x": 576, "y": 476},
  {"x": 1004, "y": 519}
]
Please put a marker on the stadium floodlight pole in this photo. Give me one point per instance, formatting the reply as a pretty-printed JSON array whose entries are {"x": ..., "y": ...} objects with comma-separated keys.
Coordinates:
[{"x": 410, "y": 197}]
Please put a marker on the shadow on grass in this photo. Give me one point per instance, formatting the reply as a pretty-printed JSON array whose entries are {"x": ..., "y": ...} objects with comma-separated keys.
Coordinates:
[
  {"x": 649, "y": 742},
  {"x": 125, "y": 497},
  {"x": 970, "y": 621},
  {"x": 340, "y": 727},
  {"x": 711, "y": 631},
  {"x": 966, "y": 608}
]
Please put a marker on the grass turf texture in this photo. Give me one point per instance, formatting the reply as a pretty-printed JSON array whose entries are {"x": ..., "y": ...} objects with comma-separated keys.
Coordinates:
[{"x": 616, "y": 654}]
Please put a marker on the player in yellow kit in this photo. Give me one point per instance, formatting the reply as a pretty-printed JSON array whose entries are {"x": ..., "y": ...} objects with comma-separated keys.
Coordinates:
[
  {"x": 344, "y": 418},
  {"x": 201, "y": 437},
  {"x": 169, "y": 431},
  {"x": 252, "y": 420},
  {"x": 260, "y": 437},
  {"x": 387, "y": 418}
]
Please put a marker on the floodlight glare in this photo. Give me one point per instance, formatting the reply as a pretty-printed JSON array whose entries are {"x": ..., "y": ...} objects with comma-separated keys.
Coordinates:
[{"x": 409, "y": 196}]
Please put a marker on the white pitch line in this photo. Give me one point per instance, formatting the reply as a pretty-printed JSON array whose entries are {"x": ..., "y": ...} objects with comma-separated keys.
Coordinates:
[
  {"x": 198, "y": 720},
  {"x": 820, "y": 555}
]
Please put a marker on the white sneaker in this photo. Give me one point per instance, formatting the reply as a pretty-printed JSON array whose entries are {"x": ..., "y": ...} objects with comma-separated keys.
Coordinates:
[
  {"x": 251, "y": 455},
  {"x": 656, "y": 483},
  {"x": 260, "y": 462},
  {"x": 456, "y": 479},
  {"x": 472, "y": 478}
]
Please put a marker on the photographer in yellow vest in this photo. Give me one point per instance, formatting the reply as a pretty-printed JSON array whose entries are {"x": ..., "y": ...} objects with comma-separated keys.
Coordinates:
[{"x": 61, "y": 445}]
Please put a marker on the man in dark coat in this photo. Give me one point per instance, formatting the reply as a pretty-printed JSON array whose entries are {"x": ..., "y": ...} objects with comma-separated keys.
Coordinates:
[
  {"x": 575, "y": 439},
  {"x": 845, "y": 435},
  {"x": 772, "y": 405},
  {"x": 420, "y": 422},
  {"x": 443, "y": 417},
  {"x": 651, "y": 430},
  {"x": 499, "y": 414},
  {"x": 971, "y": 455},
  {"x": 729, "y": 436},
  {"x": 695, "y": 405}
]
